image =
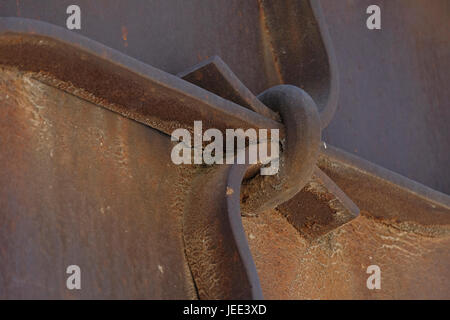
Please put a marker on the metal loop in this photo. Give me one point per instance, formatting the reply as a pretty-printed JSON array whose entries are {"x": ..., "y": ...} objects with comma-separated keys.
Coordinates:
[{"x": 299, "y": 150}]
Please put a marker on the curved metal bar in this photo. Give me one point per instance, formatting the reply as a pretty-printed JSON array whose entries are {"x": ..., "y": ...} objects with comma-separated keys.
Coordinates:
[
  {"x": 328, "y": 111},
  {"x": 216, "y": 247},
  {"x": 234, "y": 182},
  {"x": 303, "y": 52},
  {"x": 106, "y": 77},
  {"x": 300, "y": 150}
]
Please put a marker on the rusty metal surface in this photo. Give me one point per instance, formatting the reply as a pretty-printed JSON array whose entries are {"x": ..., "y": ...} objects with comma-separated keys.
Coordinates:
[
  {"x": 81, "y": 182},
  {"x": 393, "y": 100},
  {"x": 320, "y": 207},
  {"x": 414, "y": 265},
  {"x": 67, "y": 166},
  {"x": 404, "y": 228},
  {"x": 16, "y": 53}
]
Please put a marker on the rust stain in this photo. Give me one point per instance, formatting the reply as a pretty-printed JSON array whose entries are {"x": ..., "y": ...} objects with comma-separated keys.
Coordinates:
[
  {"x": 334, "y": 266},
  {"x": 125, "y": 36},
  {"x": 270, "y": 56}
]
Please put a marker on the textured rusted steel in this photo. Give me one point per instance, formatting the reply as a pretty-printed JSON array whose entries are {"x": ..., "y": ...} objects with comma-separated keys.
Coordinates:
[
  {"x": 404, "y": 228},
  {"x": 320, "y": 207},
  {"x": 239, "y": 279},
  {"x": 80, "y": 184},
  {"x": 60, "y": 205}
]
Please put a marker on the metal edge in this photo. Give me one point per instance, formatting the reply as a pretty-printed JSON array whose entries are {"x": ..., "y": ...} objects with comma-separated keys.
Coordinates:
[
  {"x": 381, "y": 173},
  {"x": 196, "y": 99},
  {"x": 327, "y": 114}
]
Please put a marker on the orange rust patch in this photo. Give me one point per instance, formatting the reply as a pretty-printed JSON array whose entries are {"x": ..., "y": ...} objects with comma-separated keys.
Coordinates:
[
  {"x": 125, "y": 35},
  {"x": 334, "y": 266}
]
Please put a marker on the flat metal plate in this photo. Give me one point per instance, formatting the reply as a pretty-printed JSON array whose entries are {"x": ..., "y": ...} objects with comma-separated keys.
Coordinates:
[{"x": 83, "y": 185}]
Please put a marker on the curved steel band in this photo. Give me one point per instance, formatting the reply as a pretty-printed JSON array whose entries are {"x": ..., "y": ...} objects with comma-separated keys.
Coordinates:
[{"x": 300, "y": 150}]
